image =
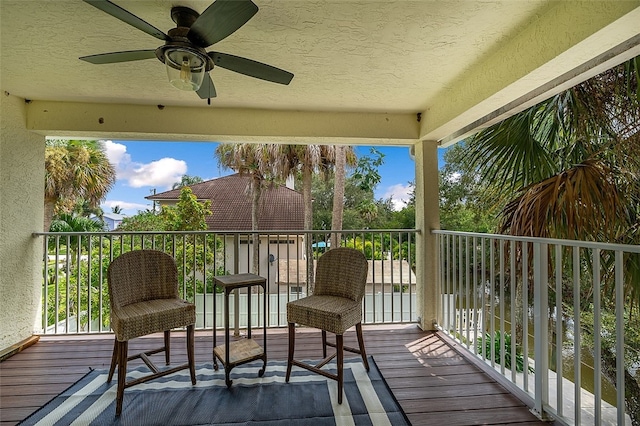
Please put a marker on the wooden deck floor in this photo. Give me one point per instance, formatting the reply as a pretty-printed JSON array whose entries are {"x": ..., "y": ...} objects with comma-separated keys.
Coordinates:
[{"x": 432, "y": 382}]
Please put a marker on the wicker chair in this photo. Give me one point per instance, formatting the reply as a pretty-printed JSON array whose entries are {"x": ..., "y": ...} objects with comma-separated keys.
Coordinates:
[
  {"x": 143, "y": 293},
  {"x": 335, "y": 306}
]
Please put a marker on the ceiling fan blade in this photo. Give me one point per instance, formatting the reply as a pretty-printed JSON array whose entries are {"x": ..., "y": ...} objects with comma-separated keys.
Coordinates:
[
  {"x": 207, "y": 90},
  {"x": 251, "y": 68},
  {"x": 128, "y": 17},
  {"x": 221, "y": 19},
  {"x": 114, "y": 57}
]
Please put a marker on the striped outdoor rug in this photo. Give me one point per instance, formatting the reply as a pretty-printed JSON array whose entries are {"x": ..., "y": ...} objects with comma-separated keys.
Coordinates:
[{"x": 308, "y": 399}]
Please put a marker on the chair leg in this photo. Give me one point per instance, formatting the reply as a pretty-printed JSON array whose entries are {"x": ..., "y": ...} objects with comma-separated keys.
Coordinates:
[
  {"x": 361, "y": 345},
  {"x": 292, "y": 343},
  {"x": 190, "y": 352},
  {"x": 324, "y": 344},
  {"x": 167, "y": 346},
  {"x": 122, "y": 374},
  {"x": 114, "y": 360},
  {"x": 340, "y": 361}
]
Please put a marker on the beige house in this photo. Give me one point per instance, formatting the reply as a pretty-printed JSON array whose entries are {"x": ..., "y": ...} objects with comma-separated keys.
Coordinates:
[{"x": 422, "y": 74}]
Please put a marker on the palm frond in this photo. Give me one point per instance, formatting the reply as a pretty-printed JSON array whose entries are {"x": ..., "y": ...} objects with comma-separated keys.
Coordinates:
[
  {"x": 509, "y": 155},
  {"x": 578, "y": 203}
]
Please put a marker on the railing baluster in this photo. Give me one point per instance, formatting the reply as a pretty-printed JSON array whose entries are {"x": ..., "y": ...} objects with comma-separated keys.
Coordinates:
[
  {"x": 540, "y": 328},
  {"x": 475, "y": 294},
  {"x": 503, "y": 361},
  {"x": 577, "y": 347},
  {"x": 559, "y": 331},
  {"x": 512, "y": 308},
  {"x": 67, "y": 283},
  {"x": 466, "y": 292},
  {"x": 485, "y": 314},
  {"x": 78, "y": 282},
  {"x": 525, "y": 313},
  {"x": 89, "y": 285},
  {"x": 448, "y": 294},
  {"x": 100, "y": 281},
  {"x": 620, "y": 367},
  {"x": 459, "y": 290},
  {"x": 492, "y": 312},
  {"x": 597, "y": 333}
]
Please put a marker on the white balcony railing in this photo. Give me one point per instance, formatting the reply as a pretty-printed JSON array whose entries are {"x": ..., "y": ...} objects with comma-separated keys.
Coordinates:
[
  {"x": 550, "y": 316},
  {"x": 75, "y": 297}
]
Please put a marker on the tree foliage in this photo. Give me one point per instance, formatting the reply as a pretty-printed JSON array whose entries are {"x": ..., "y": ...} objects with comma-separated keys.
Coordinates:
[
  {"x": 186, "y": 180},
  {"x": 75, "y": 170},
  {"x": 188, "y": 214},
  {"x": 464, "y": 205}
]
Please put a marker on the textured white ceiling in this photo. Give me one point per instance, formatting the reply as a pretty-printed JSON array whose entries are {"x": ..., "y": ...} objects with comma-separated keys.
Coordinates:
[{"x": 371, "y": 56}]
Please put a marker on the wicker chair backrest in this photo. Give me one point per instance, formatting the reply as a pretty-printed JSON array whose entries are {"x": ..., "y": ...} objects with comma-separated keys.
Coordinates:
[
  {"x": 141, "y": 275},
  {"x": 342, "y": 272}
]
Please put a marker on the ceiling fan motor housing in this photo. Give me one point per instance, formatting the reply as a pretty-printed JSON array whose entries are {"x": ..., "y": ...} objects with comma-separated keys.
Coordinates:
[{"x": 184, "y": 17}]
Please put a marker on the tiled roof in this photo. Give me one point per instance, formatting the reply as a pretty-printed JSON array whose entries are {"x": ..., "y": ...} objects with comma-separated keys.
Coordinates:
[{"x": 281, "y": 208}]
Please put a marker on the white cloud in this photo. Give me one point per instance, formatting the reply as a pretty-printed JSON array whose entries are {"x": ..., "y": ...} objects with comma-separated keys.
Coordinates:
[
  {"x": 399, "y": 195},
  {"x": 161, "y": 174},
  {"x": 124, "y": 205}
]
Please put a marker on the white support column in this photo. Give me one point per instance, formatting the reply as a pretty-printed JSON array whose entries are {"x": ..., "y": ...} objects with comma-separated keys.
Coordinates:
[
  {"x": 21, "y": 214},
  {"x": 427, "y": 219}
]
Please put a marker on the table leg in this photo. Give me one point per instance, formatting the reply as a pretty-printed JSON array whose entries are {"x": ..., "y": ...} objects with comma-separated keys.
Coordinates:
[{"x": 226, "y": 339}]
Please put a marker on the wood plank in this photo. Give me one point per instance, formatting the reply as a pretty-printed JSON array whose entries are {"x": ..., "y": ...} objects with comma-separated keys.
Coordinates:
[
  {"x": 460, "y": 403},
  {"x": 475, "y": 417}
]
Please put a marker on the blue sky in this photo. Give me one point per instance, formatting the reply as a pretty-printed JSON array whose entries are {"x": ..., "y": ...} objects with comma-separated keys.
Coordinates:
[{"x": 143, "y": 167}]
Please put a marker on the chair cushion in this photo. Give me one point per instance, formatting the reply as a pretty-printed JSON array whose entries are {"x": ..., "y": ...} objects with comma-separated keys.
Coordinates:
[
  {"x": 331, "y": 313},
  {"x": 151, "y": 316}
]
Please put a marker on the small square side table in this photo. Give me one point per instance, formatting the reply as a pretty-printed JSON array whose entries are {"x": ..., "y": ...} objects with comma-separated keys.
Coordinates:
[{"x": 246, "y": 350}]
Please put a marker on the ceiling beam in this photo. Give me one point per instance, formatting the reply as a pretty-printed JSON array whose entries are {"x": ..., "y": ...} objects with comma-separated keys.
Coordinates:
[{"x": 149, "y": 122}]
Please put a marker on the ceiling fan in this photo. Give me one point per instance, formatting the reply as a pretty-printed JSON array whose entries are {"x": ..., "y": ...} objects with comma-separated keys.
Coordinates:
[{"x": 183, "y": 53}]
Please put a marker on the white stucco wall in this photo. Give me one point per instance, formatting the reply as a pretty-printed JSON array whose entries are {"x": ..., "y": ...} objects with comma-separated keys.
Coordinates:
[{"x": 21, "y": 214}]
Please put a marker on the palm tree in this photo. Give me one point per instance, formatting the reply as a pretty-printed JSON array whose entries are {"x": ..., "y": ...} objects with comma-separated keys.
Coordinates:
[
  {"x": 568, "y": 167},
  {"x": 255, "y": 160},
  {"x": 306, "y": 160},
  {"x": 186, "y": 180},
  {"x": 571, "y": 161},
  {"x": 71, "y": 222},
  {"x": 75, "y": 169}
]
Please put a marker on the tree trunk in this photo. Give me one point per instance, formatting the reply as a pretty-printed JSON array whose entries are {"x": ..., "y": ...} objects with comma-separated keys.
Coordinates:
[
  {"x": 308, "y": 224},
  {"x": 49, "y": 206},
  {"x": 338, "y": 196}
]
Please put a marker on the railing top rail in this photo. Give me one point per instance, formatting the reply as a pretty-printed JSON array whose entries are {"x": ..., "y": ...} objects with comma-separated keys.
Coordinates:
[
  {"x": 556, "y": 241},
  {"x": 227, "y": 232}
]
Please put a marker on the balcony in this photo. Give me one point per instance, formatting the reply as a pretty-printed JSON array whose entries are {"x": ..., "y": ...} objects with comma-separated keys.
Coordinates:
[{"x": 448, "y": 376}]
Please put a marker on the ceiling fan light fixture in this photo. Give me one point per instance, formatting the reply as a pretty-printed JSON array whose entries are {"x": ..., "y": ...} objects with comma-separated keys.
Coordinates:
[{"x": 185, "y": 68}]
